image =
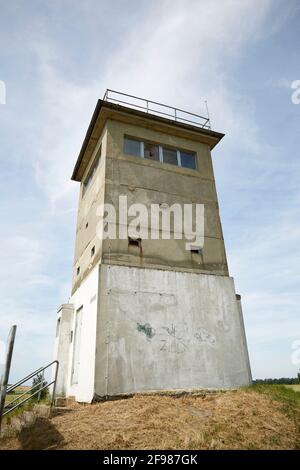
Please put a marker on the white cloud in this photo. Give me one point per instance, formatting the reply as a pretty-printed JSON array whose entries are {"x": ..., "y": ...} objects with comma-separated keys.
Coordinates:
[{"x": 177, "y": 54}]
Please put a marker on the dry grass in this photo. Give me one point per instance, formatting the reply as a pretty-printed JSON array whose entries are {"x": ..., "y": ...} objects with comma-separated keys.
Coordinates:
[{"x": 245, "y": 419}]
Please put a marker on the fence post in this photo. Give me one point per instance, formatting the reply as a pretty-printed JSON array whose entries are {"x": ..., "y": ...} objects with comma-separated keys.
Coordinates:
[
  {"x": 54, "y": 388},
  {"x": 41, "y": 385},
  {"x": 7, "y": 364}
]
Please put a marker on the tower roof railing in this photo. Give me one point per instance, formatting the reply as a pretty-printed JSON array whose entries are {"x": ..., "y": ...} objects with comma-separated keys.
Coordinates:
[{"x": 159, "y": 109}]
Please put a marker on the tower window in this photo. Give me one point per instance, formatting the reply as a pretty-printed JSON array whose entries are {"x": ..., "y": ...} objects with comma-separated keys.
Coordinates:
[
  {"x": 188, "y": 159},
  {"x": 78, "y": 271},
  {"x": 151, "y": 151},
  {"x": 89, "y": 177},
  {"x": 156, "y": 152},
  {"x": 170, "y": 156},
  {"x": 92, "y": 251},
  {"x": 132, "y": 147}
]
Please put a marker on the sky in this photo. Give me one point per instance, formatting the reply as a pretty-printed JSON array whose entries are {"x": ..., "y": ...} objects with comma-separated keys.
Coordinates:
[{"x": 58, "y": 57}]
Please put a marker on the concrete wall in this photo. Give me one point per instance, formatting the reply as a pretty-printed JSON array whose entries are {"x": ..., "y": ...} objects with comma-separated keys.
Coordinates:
[
  {"x": 150, "y": 182},
  {"x": 243, "y": 336},
  {"x": 86, "y": 296},
  {"x": 167, "y": 330},
  {"x": 65, "y": 317},
  {"x": 147, "y": 182},
  {"x": 87, "y": 219},
  {"x": 156, "y": 317}
]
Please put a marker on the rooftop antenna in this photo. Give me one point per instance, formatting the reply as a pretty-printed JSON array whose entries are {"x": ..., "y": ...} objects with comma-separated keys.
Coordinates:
[{"x": 209, "y": 121}]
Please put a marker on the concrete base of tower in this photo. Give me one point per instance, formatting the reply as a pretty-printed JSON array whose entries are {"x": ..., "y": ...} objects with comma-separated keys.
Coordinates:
[
  {"x": 161, "y": 330},
  {"x": 150, "y": 329}
]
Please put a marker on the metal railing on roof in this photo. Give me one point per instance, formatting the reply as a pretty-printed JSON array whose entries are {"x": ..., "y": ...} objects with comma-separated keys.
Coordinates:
[{"x": 158, "y": 109}]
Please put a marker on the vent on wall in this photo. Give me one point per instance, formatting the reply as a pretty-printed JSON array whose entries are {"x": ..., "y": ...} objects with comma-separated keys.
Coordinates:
[
  {"x": 195, "y": 250},
  {"x": 134, "y": 242},
  {"x": 57, "y": 327}
]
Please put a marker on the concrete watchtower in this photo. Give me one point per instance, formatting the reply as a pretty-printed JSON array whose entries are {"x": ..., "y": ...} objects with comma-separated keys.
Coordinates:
[{"x": 145, "y": 312}]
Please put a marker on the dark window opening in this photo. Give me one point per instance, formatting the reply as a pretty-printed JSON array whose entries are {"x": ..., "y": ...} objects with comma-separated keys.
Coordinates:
[
  {"x": 93, "y": 251},
  {"x": 170, "y": 156},
  {"x": 196, "y": 250},
  {"x": 57, "y": 327},
  {"x": 134, "y": 242},
  {"x": 188, "y": 160},
  {"x": 151, "y": 151},
  {"x": 86, "y": 225},
  {"x": 78, "y": 271}
]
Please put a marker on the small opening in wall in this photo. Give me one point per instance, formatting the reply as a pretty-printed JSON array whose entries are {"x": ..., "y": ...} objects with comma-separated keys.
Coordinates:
[
  {"x": 71, "y": 336},
  {"x": 86, "y": 225},
  {"x": 134, "y": 242},
  {"x": 92, "y": 251},
  {"x": 78, "y": 271},
  {"x": 57, "y": 327},
  {"x": 196, "y": 250}
]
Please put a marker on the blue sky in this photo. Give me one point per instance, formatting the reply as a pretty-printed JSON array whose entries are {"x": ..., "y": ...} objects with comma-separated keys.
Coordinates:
[{"x": 57, "y": 59}]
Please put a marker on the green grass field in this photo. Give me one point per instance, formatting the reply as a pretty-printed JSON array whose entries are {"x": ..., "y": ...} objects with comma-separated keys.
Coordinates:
[
  {"x": 289, "y": 397},
  {"x": 18, "y": 391},
  {"x": 296, "y": 388},
  {"x": 10, "y": 397}
]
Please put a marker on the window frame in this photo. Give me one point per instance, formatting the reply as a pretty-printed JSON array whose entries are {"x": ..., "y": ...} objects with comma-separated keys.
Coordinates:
[
  {"x": 160, "y": 153},
  {"x": 154, "y": 144},
  {"x": 172, "y": 149},
  {"x": 192, "y": 153},
  {"x": 141, "y": 145}
]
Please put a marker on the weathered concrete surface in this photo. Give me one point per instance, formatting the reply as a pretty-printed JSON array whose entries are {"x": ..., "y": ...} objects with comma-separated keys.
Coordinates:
[
  {"x": 147, "y": 182},
  {"x": 105, "y": 110},
  {"x": 157, "y": 316},
  {"x": 87, "y": 220},
  {"x": 85, "y": 298},
  {"x": 168, "y": 330},
  {"x": 150, "y": 182},
  {"x": 243, "y": 335},
  {"x": 64, "y": 324}
]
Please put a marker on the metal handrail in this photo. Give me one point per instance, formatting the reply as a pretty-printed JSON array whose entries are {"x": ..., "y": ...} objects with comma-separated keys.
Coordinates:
[
  {"x": 25, "y": 379},
  {"x": 204, "y": 120},
  {"x": 9, "y": 408},
  {"x": 30, "y": 376}
]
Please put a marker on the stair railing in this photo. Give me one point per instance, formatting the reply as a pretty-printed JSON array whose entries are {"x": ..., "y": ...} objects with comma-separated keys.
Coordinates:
[{"x": 32, "y": 391}]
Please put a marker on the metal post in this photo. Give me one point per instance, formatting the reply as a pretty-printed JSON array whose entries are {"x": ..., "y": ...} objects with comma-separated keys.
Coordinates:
[
  {"x": 7, "y": 364},
  {"x": 41, "y": 386},
  {"x": 54, "y": 388},
  {"x": 208, "y": 116}
]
